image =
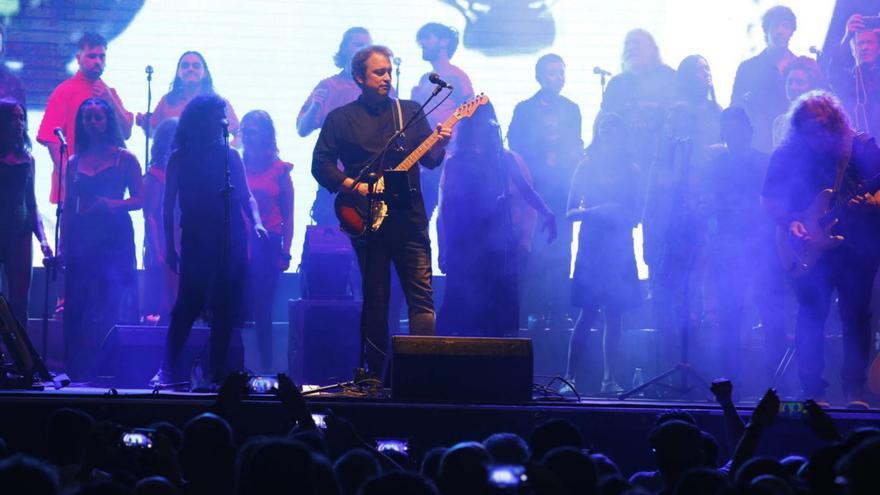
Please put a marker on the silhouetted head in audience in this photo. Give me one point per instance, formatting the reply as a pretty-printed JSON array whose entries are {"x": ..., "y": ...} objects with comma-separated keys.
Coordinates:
[
  {"x": 674, "y": 414},
  {"x": 792, "y": 465},
  {"x": 274, "y": 465},
  {"x": 574, "y": 469},
  {"x": 858, "y": 469},
  {"x": 819, "y": 471},
  {"x": 155, "y": 485},
  {"x": 772, "y": 485},
  {"x": 431, "y": 463},
  {"x": 507, "y": 448},
  {"x": 858, "y": 436},
  {"x": 710, "y": 449},
  {"x": 398, "y": 483},
  {"x": 704, "y": 481},
  {"x": 758, "y": 466},
  {"x": 171, "y": 432},
  {"x": 614, "y": 484},
  {"x": 207, "y": 454},
  {"x": 678, "y": 447},
  {"x": 736, "y": 129},
  {"x": 354, "y": 468},
  {"x": 464, "y": 469},
  {"x": 23, "y": 474},
  {"x": 311, "y": 439},
  {"x": 604, "y": 465},
  {"x": 554, "y": 433},
  {"x": 101, "y": 487},
  {"x": 67, "y": 436}
]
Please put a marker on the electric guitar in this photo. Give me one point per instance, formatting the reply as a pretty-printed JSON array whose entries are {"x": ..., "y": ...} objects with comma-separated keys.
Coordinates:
[
  {"x": 352, "y": 209},
  {"x": 798, "y": 256}
]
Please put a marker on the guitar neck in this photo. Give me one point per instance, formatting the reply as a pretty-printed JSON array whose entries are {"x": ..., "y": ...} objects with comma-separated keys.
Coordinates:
[{"x": 426, "y": 145}]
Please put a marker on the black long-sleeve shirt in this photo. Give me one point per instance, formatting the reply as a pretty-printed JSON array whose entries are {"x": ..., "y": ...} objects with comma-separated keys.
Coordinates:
[{"x": 356, "y": 132}]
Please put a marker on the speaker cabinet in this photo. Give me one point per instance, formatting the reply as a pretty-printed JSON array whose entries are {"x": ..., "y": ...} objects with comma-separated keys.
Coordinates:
[{"x": 461, "y": 369}]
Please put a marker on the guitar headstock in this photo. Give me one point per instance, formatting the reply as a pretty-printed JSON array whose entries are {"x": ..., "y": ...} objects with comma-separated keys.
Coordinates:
[{"x": 468, "y": 108}]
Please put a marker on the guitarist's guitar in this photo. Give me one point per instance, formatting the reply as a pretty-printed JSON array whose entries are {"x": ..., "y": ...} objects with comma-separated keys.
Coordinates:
[
  {"x": 352, "y": 209},
  {"x": 798, "y": 256}
]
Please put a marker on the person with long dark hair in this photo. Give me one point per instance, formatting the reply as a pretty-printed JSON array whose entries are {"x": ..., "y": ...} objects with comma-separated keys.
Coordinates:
[
  {"x": 213, "y": 242},
  {"x": 19, "y": 216},
  {"x": 193, "y": 78},
  {"x": 822, "y": 152},
  {"x": 98, "y": 237},
  {"x": 604, "y": 198},
  {"x": 483, "y": 186},
  {"x": 269, "y": 179},
  {"x": 160, "y": 280}
]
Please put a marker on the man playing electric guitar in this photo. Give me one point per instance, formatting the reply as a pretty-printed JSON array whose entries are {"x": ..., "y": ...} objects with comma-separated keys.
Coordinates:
[
  {"x": 355, "y": 134},
  {"x": 821, "y": 158}
]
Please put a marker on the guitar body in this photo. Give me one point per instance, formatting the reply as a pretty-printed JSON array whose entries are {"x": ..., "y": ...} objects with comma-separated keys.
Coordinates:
[
  {"x": 797, "y": 256},
  {"x": 352, "y": 211}
]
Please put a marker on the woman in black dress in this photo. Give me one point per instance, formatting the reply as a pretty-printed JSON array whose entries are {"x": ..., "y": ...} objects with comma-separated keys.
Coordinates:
[
  {"x": 213, "y": 235},
  {"x": 98, "y": 238},
  {"x": 604, "y": 199},
  {"x": 19, "y": 217},
  {"x": 481, "y": 185}
]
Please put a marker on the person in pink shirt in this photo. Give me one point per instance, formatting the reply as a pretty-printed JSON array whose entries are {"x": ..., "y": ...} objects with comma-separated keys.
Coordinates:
[
  {"x": 66, "y": 99},
  {"x": 193, "y": 78},
  {"x": 439, "y": 43},
  {"x": 268, "y": 177},
  {"x": 330, "y": 94}
]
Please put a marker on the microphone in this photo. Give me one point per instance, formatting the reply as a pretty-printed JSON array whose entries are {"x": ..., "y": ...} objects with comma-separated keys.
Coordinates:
[
  {"x": 149, "y": 69},
  {"x": 600, "y": 71},
  {"x": 60, "y": 135},
  {"x": 815, "y": 51},
  {"x": 224, "y": 122},
  {"x": 395, "y": 60},
  {"x": 435, "y": 79}
]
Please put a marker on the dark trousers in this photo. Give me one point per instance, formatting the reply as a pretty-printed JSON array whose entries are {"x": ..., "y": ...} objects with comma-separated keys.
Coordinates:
[
  {"x": 206, "y": 284},
  {"x": 408, "y": 247},
  {"x": 263, "y": 274},
  {"x": 15, "y": 259},
  {"x": 740, "y": 276},
  {"x": 852, "y": 275}
]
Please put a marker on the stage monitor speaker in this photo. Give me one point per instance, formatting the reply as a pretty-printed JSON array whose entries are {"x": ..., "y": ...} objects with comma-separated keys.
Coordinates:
[
  {"x": 324, "y": 341},
  {"x": 461, "y": 369},
  {"x": 327, "y": 264},
  {"x": 131, "y": 354}
]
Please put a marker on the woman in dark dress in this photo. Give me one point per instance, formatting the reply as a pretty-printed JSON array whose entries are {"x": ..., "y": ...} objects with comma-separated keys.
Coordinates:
[
  {"x": 478, "y": 239},
  {"x": 98, "y": 238},
  {"x": 160, "y": 281},
  {"x": 213, "y": 235},
  {"x": 19, "y": 217},
  {"x": 603, "y": 198},
  {"x": 268, "y": 176}
]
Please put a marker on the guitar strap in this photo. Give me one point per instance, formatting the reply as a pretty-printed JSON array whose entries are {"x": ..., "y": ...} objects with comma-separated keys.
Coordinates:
[
  {"x": 398, "y": 122},
  {"x": 842, "y": 166}
]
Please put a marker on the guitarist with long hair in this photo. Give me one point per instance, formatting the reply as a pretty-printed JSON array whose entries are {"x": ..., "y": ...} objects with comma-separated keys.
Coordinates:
[
  {"x": 818, "y": 190},
  {"x": 356, "y": 134}
]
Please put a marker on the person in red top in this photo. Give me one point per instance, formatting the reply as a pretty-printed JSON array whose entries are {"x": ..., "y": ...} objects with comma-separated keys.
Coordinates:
[
  {"x": 193, "y": 78},
  {"x": 66, "y": 99},
  {"x": 439, "y": 43},
  {"x": 269, "y": 180},
  {"x": 330, "y": 94}
]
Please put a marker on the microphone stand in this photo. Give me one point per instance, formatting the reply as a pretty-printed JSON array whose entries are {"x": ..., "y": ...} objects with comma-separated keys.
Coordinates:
[
  {"x": 148, "y": 117},
  {"x": 370, "y": 176},
  {"x": 52, "y": 264}
]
